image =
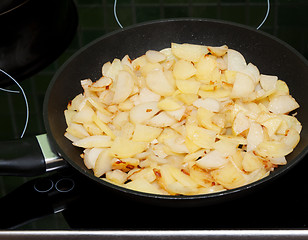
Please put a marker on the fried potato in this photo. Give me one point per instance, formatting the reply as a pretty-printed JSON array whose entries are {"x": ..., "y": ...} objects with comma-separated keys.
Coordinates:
[{"x": 189, "y": 119}]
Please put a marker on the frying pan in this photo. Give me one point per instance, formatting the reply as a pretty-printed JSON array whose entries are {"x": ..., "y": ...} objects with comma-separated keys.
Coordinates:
[{"x": 268, "y": 53}]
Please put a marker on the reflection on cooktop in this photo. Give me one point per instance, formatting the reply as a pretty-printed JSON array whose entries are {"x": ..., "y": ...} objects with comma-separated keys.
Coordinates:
[{"x": 87, "y": 205}]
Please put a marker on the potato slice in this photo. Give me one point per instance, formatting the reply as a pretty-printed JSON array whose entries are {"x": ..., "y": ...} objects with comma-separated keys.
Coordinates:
[
  {"x": 255, "y": 136},
  {"x": 272, "y": 149},
  {"x": 146, "y": 95},
  {"x": 188, "y": 86},
  {"x": 145, "y": 133},
  {"x": 207, "y": 70},
  {"x": 219, "y": 93},
  {"x": 282, "y": 104},
  {"x": 236, "y": 61},
  {"x": 201, "y": 137},
  {"x": 272, "y": 125},
  {"x": 188, "y": 52},
  {"x": 158, "y": 83},
  {"x": 99, "y": 141},
  {"x": 218, "y": 51},
  {"x": 212, "y": 160},
  {"x": 103, "y": 126},
  {"x": 125, "y": 148},
  {"x": 68, "y": 114},
  {"x": 204, "y": 117},
  {"x": 183, "y": 70},
  {"x": 229, "y": 176},
  {"x": 169, "y": 104},
  {"x": 268, "y": 82},
  {"x": 251, "y": 162},
  {"x": 77, "y": 130},
  {"x": 103, "y": 163},
  {"x": 161, "y": 120},
  {"x": 143, "y": 185},
  {"x": 84, "y": 115},
  {"x": 243, "y": 86},
  {"x": 90, "y": 156},
  {"x": 116, "y": 176},
  {"x": 155, "y": 56},
  {"x": 143, "y": 112},
  {"x": 210, "y": 104},
  {"x": 124, "y": 87}
]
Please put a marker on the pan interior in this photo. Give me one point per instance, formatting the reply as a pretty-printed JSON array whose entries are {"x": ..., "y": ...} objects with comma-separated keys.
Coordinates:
[{"x": 269, "y": 54}]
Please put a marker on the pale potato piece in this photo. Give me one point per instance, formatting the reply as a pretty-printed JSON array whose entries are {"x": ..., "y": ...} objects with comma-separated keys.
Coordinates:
[
  {"x": 243, "y": 86},
  {"x": 68, "y": 114},
  {"x": 210, "y": 104},
  {"x": 188, "y": 86},
  {"x": 213, "y": 159},
  {"x": 188, "y": 52},
  {"x": 282, "y": 104},
  {"x": 219, "y": 93},
  {"x": 183, "y": 69},
  {"x": 92, "y": 129},
  {"x": 253, "y": 72},
  {"x": 218, "y": 51},
  {"x": 103, "y": 126},
  {"x": 112, "y": 70},
  {"x": 251, "y": 162},
  {"x": 143, "y": 185},
  {"x": 177, "y": 114},
  {"x": 204, "y": 117},
  {"x": 207, "y": 70},
  {"x": 225, "y": 147},
  {"x": 240, "y": 123},
  {"x": 169, "y": 104},
  {"x": 143, "y": 112},
  {"x": 229, "y": 176},
  {"x": 77, "y": 130},
  {"x": 124, "y": 87},
  {"x": 84, "y": 115},
  {"x": 272, "y": 125},
  {"x": 145, "y": 133},
  {"x": 177, "y": 144},
  {"x": 158, "y": 83},
  {"x": 255, "y": 136},
  {"x": 268, "y": 82},
  {"x": 116, "y": 176},
  {"x": 103, "y": 163},
  {"x": 146, "y": 95},
  {"x": 236, "y": 61},
  {"x": 90, "y": 156},
  {"x": 100, "y": 84},
  {"x": 292, "y": 138},
  {"x": 201, "y": 137},
  {"x": 161, "y": 120},
  {"x": 273, "y": 149},
  {"x": 125, "y": 148},
  {"x": 155, "y": 56},
  {"x": 99, "y": 141},
  {"x": 279, "y": 160}
]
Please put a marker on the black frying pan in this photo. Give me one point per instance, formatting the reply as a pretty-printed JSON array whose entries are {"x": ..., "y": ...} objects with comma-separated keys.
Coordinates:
[{"x": 268, "y": 53}]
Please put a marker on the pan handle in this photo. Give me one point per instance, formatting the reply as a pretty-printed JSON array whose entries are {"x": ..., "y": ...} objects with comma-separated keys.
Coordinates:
[{"x": 31, "y": 156}]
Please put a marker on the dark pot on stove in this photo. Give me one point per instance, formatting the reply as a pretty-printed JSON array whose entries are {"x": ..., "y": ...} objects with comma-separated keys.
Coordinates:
[{"x": 33, "y": 34}]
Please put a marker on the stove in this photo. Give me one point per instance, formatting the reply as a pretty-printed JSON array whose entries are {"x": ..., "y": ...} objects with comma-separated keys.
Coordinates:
[{"x": 65, "y": 200}]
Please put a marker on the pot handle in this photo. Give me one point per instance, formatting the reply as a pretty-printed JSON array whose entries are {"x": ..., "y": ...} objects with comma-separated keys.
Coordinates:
[{"x": 30, "y": 156}]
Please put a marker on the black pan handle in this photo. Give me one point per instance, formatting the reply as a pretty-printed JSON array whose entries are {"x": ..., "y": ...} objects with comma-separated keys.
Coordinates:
[{"x": 31, "y": 156}]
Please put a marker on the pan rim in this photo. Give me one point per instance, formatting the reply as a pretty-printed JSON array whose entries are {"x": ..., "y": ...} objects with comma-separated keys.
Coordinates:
[{"x": 216, "y": 195}]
